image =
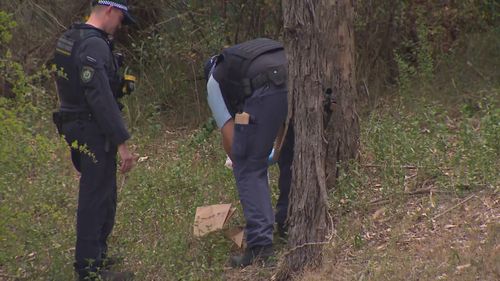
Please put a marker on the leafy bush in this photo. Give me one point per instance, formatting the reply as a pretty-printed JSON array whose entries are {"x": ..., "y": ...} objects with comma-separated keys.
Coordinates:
[
  {"x": 26, "y": 158},
  {"x": 21, "y": 147}
]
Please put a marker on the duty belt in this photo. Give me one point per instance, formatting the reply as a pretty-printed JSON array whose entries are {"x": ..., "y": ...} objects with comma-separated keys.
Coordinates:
[
  {"x": 276, "y": 75},
  {"x": 61, "y": 117},
  {"x": 68, "y": 116}
]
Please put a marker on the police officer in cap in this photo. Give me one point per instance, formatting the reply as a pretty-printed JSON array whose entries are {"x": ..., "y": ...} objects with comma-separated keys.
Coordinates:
[
  {"x": 247, "y": 94},
  {"x": 91, "y": 122}
]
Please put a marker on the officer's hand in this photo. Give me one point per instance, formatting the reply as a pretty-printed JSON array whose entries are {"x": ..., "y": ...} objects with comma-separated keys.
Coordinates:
[{"x": 127, "y": 158}]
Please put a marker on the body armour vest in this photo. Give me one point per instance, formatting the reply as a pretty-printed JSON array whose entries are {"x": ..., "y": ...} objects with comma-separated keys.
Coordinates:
[
  {"x": 232, "y": 70},
  {"x": 70, "y": 91}
]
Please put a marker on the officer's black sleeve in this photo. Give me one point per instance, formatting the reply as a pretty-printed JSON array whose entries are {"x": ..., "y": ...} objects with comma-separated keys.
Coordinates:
[{"x": 95, "y": 60}]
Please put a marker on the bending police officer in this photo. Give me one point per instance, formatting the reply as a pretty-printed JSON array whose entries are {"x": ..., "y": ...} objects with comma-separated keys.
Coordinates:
[
  {"x": 247, "y": 94},
  {"x": 90, "y": 117}
]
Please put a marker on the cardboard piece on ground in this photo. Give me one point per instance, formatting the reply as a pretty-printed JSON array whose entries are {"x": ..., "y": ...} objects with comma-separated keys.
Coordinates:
[
  {"x": 230, "y": 214},
  {"x": 211, "y": 218},
  {"x": 236, "y": 235}
]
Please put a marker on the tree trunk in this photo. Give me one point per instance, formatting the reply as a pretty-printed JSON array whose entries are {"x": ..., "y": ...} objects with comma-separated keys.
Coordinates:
[
  {"x": 320, "y": 49},
  {"x": 342, "y": 132}
]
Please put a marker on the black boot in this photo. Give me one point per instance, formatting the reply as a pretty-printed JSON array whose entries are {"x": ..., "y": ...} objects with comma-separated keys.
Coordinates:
[
  {"x": 94, "y": 273},
  {"x": 106, "y": 275},
  {"x": 257, "y": 254},
  {"x": 108, "y": 262}
]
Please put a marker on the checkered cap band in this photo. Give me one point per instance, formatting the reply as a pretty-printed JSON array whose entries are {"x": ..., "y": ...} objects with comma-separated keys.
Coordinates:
[{"x": 113, "y": 4}]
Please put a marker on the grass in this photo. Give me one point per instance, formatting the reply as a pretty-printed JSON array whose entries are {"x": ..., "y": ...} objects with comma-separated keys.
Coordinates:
[
  {"x": 154, "y": 221},
  {"x": 158, "y": 199},
  {"x": 422, "y": 204}
]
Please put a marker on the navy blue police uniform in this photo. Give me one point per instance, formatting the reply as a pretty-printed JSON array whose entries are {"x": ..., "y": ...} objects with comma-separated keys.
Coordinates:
[
  {"x": 91, "y": 122},
  {"x": 251, "y": 77}
]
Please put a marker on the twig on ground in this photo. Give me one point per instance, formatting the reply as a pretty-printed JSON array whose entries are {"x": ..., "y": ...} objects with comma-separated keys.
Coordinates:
[
  {"x": 454, "y": 207},
  {"x": 379, "y": 201},
  {"x": 3, "y": 275},
  {"x": 415, "y": 192},
  {"x": 122, "y": 182},
  {"x": 421, "y": 191},
  {"x": 392, "y": 166},
  {"x": 477, "y": 71},
  {"x": 328, "y": 237}
]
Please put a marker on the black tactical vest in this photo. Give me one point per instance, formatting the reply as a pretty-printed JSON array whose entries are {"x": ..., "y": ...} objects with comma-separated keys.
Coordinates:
[
  {"x": 232, "y": 70},
  {"x": 70, "y": 91}
]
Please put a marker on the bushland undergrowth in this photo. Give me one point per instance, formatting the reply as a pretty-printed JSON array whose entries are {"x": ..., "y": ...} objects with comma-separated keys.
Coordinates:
[
  {"x": 409, "y": 144},
  {"x": 435, "y": 132}
]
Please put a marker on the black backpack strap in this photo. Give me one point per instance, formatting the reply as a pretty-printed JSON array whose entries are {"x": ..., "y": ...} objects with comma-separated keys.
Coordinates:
[
  {"x": 236, "y": 86},
  {"x": 239, "y": 58},
  {"x": 65, "y": 54},
  {"x": 87, "y": 33}
]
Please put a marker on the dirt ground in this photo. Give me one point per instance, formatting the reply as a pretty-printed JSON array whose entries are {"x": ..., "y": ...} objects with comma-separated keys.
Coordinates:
[{"x": 429, "y": 237}]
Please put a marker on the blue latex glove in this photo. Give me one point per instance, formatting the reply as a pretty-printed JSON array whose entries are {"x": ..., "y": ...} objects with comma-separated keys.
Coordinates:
[{"x": 270, "y": 160}]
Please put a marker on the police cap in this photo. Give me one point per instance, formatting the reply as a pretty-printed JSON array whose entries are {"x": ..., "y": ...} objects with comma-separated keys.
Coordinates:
[{"x": 119, "y": 4}]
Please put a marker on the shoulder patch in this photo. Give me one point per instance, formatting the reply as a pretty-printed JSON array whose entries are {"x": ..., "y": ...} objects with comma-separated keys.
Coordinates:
[{"x": 87, "y": 74}]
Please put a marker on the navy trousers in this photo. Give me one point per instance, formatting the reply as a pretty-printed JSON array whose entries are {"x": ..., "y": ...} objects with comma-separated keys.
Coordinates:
[
  {"x": 95, "y": 159},
  {"x": 252, "y": 144}
]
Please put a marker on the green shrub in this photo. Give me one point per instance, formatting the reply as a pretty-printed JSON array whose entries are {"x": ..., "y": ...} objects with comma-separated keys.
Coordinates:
[{"x": 30, "y": 201}]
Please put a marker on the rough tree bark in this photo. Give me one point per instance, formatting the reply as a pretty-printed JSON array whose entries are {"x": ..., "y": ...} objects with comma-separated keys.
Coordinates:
[
  {"x": 342, "y": 133},
  {"x": 319, "y": 42}
]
